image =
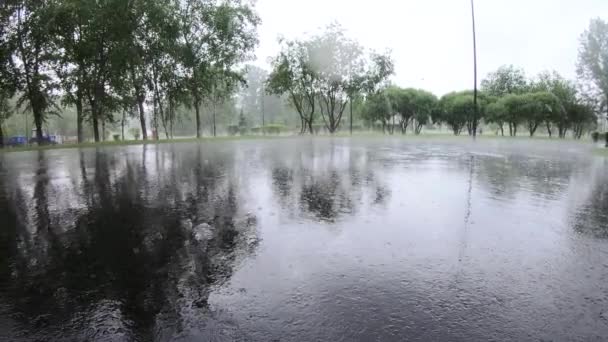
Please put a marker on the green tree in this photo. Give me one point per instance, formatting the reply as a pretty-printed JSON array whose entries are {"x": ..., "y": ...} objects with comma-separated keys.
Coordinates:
[
  {"x": 342, "y": 72},
  {"x": 150, "y": 64},
  {"x": 593, "y": 60},
  {"x": 7, "y": 84},
  {"x": 514, "y": 107},
  {"x": 496, "y": 114},
  {"x": 456, "y": 110},
  {"x": 214, "y": 35},
  {"x": 581, "y": 116},
  {"x": 538, "y": 108},
  {"x": 413, "y": 106},
  {"x": 324, "y": 73},
  {"x": 506, "y": 80},
  {"x": 26, "y": 32},
  {"x": 566, "y": 93},
  {"x": 224, "y": 86},
  {"x": 426, "y": 104},
  {"x": 378, "y": 108},
  {"x": 5, "y": 112},
  {"x": 292, "y": 75}
]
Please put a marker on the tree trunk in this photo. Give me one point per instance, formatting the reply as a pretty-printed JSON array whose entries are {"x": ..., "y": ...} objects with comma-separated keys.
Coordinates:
[
  {"x": 142, "y": 117},
  {"x": 1, "y": 135},
  {"x": 419, "y": 128},
  {"x": 549, "y": 129},
  {"x": 197, "y": 110},
  {"x": 502, "y": 130},
  {"x": 163, "y": 117},
  {"x": 606, "y": 133},
  {"x": 155, "y": 122},
  {"x": 122, "y": 125},
  {"x": 79, "y": 118},
  {"x": 171, "y": 117},
  {"x": 351, "y": 115},
  {"x": 103, "y": 130},
  {"x": 95, "y": 126},
  {"x": 38, "y": 124},
  {"x": 533, "y": 128},
  {"x": 214, "y": 128}
]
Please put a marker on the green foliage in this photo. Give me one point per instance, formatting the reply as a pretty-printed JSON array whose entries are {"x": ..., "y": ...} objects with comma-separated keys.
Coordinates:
[
  {"x": 582, "y": 116},
  {"x": 378, "y": 108},
  {"x": 233, "y": 129},
  {"x": 506, "y": 80},
  {"x": 25, "y": 32},
  {"x": 593, "y": 60},
  {"x": 109, "y": 57},
  {"x": 320, "y": 75},
  {"x": 456, "y": 110},
  {"x": 214, "y": 39},
  {"x": 274, "y": 129},
  {"x": 413, "y": 106}
]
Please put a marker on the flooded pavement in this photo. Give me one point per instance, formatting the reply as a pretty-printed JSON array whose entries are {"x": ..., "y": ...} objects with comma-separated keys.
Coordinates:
[{"x": 306, "y": 240}]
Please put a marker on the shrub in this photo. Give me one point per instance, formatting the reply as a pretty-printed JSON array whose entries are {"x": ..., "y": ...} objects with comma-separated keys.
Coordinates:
[
  {"x": 256, "y": 130},
  {"x": 274, "y": 129},
  {"x": 116, "y": 137},
  {"x": 233, "y": 130}
]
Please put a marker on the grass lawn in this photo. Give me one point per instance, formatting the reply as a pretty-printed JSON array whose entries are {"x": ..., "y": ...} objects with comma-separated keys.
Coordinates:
[{"x": 424, "y": 136}]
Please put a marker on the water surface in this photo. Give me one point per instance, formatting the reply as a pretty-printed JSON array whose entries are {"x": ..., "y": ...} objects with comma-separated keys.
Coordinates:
[{"x": 305, "y": 240}]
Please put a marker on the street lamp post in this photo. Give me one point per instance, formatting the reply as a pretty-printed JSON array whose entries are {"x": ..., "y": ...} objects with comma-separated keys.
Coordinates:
[{"x": 476, "y": 110}]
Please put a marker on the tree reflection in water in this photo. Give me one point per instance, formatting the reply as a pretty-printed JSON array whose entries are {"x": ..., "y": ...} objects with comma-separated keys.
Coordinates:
[
  {"x": 326, "y": 184},
  {"x": 591, "y": 218},
  {"x": 135, "y": 254}
]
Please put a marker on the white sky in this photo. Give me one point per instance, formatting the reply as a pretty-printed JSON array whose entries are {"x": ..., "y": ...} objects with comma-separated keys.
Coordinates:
[{"x": 431, "y": 40}]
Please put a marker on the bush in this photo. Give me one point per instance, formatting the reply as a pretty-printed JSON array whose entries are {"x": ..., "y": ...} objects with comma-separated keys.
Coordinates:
[
  {"x": 233, "y": 130},
  {"x": 274, "y": 129},
  {"x": 596, "y": 136},
  {"x": 243, "y": 130},
  {"x": 116, "y": 137},
  {"x": 256, "y": 130}
]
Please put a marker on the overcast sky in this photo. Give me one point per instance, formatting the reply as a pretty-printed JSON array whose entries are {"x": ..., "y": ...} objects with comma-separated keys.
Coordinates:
[{"x": 431, "y": 40}]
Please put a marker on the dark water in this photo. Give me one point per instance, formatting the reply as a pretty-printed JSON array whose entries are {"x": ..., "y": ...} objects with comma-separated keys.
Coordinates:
[{"x": 302, "y": 240}]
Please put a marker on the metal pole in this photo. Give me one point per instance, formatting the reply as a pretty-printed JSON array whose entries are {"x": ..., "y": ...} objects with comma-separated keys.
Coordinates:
[{"x": 476, "y": 110}]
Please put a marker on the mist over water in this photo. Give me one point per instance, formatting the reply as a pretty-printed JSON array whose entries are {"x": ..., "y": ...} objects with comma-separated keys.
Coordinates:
[{"x": 301, "y": 240}]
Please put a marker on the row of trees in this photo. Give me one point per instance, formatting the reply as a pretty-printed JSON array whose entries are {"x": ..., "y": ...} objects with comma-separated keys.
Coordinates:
[
  {"x": 508, "y": 99},
  {"x": 113, "y": 58},
  {"x": 322, "y": 75}
]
